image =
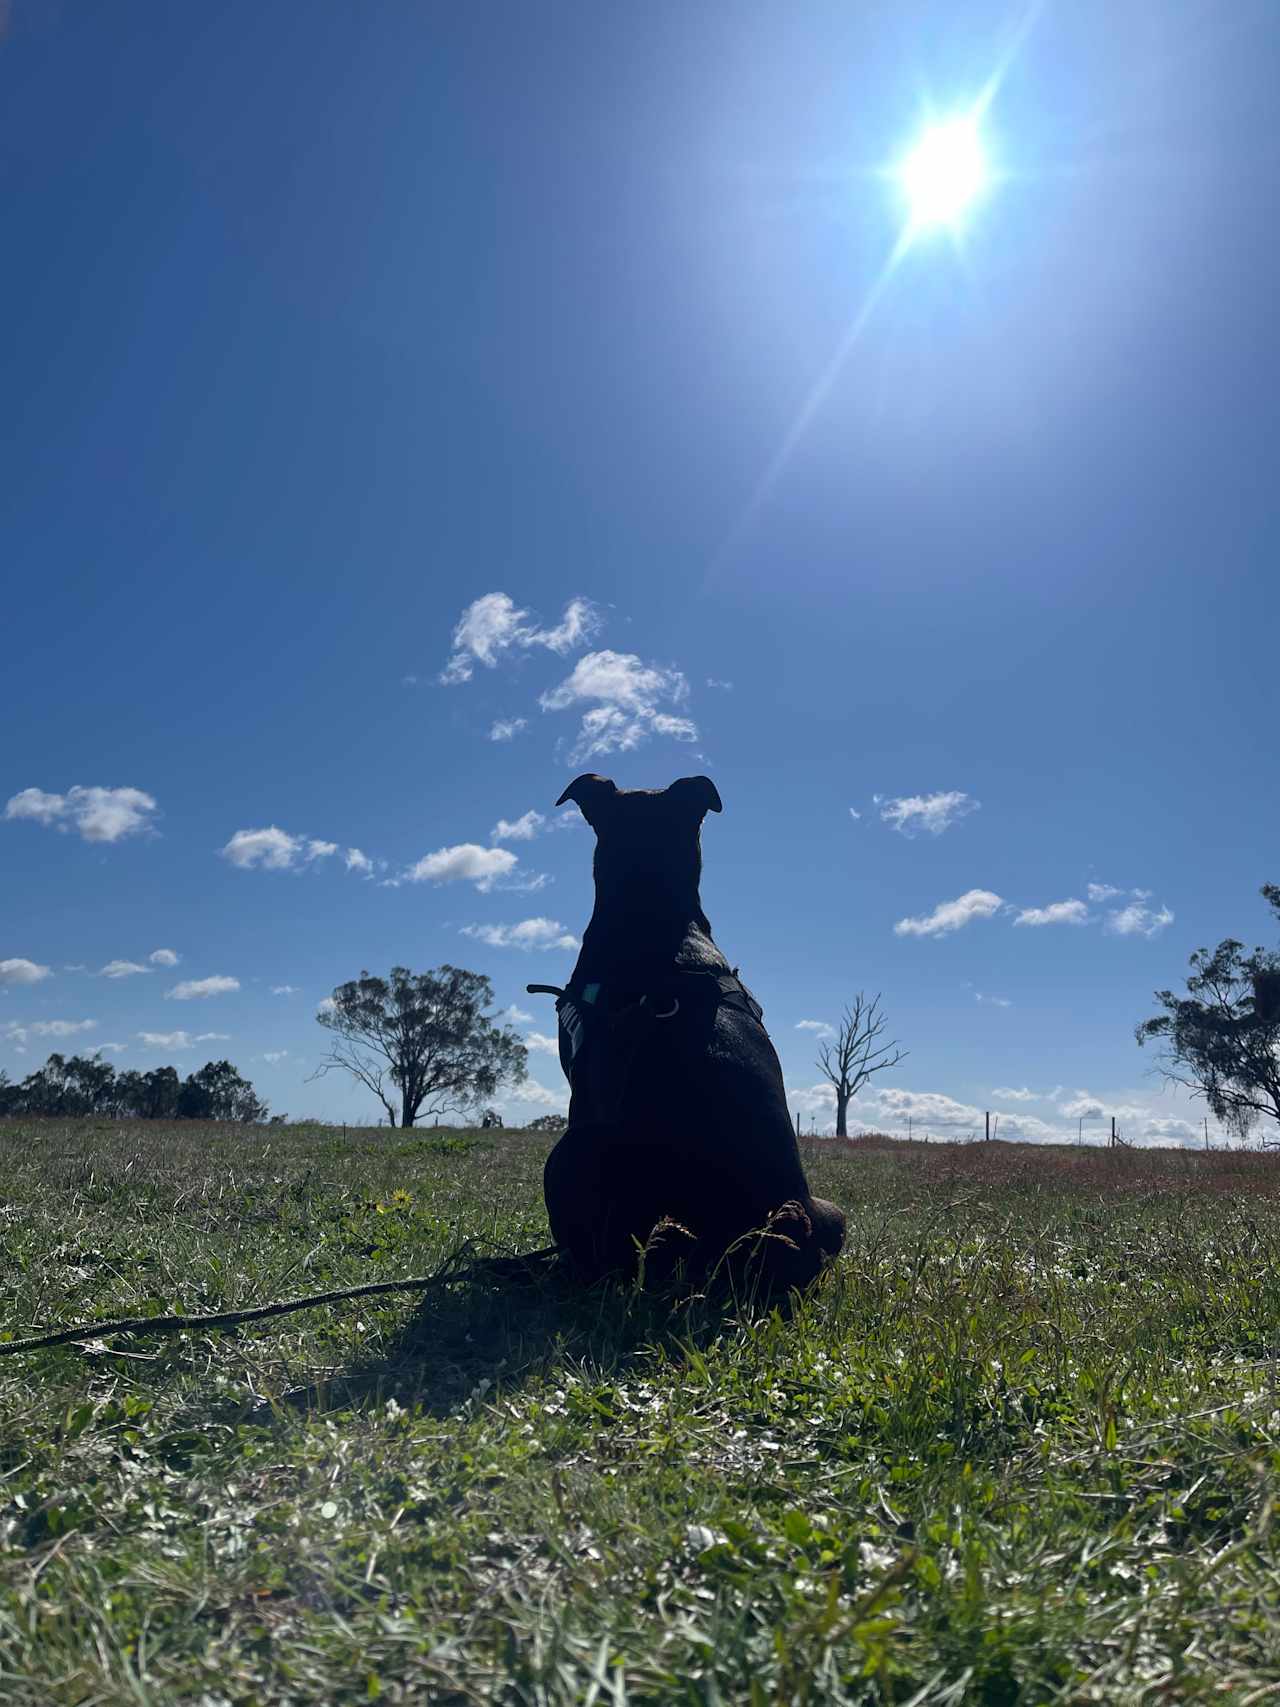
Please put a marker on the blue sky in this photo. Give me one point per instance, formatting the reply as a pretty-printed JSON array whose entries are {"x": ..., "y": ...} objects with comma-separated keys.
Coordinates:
[{"x": 379, "y": 377}]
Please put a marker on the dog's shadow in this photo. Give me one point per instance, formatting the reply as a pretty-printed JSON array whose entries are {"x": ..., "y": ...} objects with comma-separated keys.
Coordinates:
[{"x": 508, "y": 1323}]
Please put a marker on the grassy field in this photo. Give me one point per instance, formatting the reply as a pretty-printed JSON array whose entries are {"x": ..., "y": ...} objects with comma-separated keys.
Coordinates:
[{"x": 1021, "y": 1445}]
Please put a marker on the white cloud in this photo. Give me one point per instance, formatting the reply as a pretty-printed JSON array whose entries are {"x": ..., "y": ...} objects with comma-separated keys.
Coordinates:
[
  {"x": 23, "y": 972},
  {"x": 1085, "y": 1106},
  {"x": 1137, "y": 919},
  {"x": 181, "y": 1039},
  {"x": 506, "y": 729},
  {"x": 951, "y": 915},
  {"x": 493, "y": 624},
  {"x": 1056, "y": 913},
  {"x": 97, "y": 814},
  {"x": 1180, "y": 1131},
  {"x": 992, "y": 1001},
  {"x": 112, "y": 1048},
  {"x": 522, "y": 829},
  {"x": 60, "y": 1027},
  {"x": 539, "y": 1095},
  {"x": 273, "y": 849},
  {"x": 274, "y": 1055},
  {"x": 678, "y": 728},
  {"x": 819, "y": 1027},
  {"x": 284, "y": 989},
  {"x": 628, "y": 695},
  {"x": 192, "y": 989},
  {"x": 541, "y": 1044},
  {"x": 122, "y": 969},
  {"x": 1006, "y": 1093},
  {"x": 468, "y": 862},
  {"x": 725, "y": 687},
  {"x": 526, "y": 885},
  {"x": 528, "y": 934},
  {"x": 516, "y": 1016},
  {"x": 357, "y": 861},
  {"x": 163, "y": 957},
  {"x": 932, "y": 812},
  {"x": 1102, "y": 891},
  {"x": 854, "y": 813},
  {"x": 326, "y": 1005}
]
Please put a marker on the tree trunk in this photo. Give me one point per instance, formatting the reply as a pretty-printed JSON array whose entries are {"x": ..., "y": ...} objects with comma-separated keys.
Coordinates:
[
  {"x": 842, "y": 1113},
  {"x": 406, "y": 1119}
]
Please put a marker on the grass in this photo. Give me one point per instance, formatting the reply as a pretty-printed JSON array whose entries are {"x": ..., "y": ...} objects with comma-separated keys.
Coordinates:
[{"x": 1021, "y": 1444}]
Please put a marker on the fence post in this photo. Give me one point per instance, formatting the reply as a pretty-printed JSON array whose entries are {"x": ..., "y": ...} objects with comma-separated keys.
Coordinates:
[
  {"x": 988, "y": 1126},
  {"x": 797, "y": 1123}
]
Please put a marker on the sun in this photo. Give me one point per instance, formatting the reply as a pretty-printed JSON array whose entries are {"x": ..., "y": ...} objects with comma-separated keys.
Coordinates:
[{"x": 944, "y": 173}]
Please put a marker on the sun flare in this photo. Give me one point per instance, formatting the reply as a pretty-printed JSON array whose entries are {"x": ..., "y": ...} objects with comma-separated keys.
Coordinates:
[{"x": 944, "y": 173}]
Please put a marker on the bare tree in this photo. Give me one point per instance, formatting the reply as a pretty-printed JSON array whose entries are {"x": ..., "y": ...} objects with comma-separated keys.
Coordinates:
[
  {"x": 420, "y": 1041},
  {"x": 857, "y": 1054}
]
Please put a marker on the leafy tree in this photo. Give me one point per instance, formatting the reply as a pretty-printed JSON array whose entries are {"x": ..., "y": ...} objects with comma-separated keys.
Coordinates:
[
  {"x": 548, "y": 1123},
  {"x": 856, "y": 1054},
  {"x": 421, "y": 1042},
  {"x": 217, "y": 1092},
  {"x": 1222, "y": 1039}
]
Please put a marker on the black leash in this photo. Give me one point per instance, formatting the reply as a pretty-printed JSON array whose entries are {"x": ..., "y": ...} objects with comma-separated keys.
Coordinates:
[{"x": 495, "y": 1267}]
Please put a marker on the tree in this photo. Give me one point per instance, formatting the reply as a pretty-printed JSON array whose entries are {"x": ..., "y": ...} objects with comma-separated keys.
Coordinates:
[
  {"x": 1222, "y": 1039},
  {"x": 217, "y": 1092},
  {"x": 421, "y": 1041},
  {"x": 548, "y": 1123},
  {"x": 857, "y": 1054}
]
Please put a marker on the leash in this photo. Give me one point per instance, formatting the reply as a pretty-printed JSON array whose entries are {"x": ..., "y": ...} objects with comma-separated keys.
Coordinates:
[{"x": 496, "y": 1267}]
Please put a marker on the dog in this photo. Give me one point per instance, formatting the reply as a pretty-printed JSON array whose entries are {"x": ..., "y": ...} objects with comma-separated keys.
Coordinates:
[{"x": 678, "y": 1118}]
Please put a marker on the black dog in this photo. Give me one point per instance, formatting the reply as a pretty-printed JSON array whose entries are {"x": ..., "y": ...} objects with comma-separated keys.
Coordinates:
[{"x": 678, "y": 1110}]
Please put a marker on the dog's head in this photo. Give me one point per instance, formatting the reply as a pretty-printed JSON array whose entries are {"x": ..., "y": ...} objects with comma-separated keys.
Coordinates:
[{"x": 647, "y": 839}]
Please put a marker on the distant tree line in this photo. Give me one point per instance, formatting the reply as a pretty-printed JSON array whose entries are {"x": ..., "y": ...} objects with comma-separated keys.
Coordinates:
[{"x": 86, "y": 1084}]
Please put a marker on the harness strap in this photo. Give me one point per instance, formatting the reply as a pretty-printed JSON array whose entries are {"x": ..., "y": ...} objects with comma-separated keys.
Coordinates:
[{"x": 584, "y": 1012}]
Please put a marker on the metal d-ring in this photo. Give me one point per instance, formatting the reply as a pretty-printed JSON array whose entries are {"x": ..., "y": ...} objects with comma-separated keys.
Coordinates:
[{"x": 673, "y": 1011}]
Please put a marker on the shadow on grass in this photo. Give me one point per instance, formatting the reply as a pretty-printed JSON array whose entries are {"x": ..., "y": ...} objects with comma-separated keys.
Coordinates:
[{"x": 512, "y": 1322}]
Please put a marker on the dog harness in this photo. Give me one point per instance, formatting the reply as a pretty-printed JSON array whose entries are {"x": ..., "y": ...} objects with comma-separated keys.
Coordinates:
[{"x": 594, "y": 1015}]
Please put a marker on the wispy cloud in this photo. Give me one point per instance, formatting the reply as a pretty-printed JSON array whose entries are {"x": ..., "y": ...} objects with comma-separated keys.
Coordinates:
[
  {"x": 819, "y": 1027},
  {"x": 60, "y": 1027},
  {"x": 465, "y": 863},
  {"x": 194, "y": 989},
  {"x": 522, "y": 829},
  {"x": 1102, "y": 891},
  {"x": 122, "y": 969},
  {"x": 992, "y": 1001},
  {"x": 950, "y": 916},
  {"x": 274, "y": 849},
  {"x": 1007, "y": 1093},
  {"x": 628, "y": 696},
  {"x": 181, "y": 1039},
  {"x": 1056, "y": 913},
  {"x": 507, "y": 728},
  {"x": 931, "y": 812},
  {"x": 493, "y": 625},
  {"x": 21, "y": 971},
  {"x": 284, "y": 989},
  {"x": 96, "y": 814},
  {"x": 528, "y": 934},
  {"x": 1137, "y": 919},
  {"x": 163, "y": 957},
  {"x": 541, "y": 1044}
]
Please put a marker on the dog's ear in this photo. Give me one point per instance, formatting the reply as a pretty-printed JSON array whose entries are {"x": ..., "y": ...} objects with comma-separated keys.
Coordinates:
[
  {"x": 699, "y": 793},
  {"x": 591, "y": 794}
]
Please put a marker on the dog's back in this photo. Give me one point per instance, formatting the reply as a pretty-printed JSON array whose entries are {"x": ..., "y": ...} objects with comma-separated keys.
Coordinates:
[{"x": 678, "y": 1109}]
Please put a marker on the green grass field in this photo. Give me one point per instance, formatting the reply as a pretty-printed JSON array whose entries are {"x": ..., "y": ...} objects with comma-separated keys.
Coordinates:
[{"x": 1021, "y": 1445}]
